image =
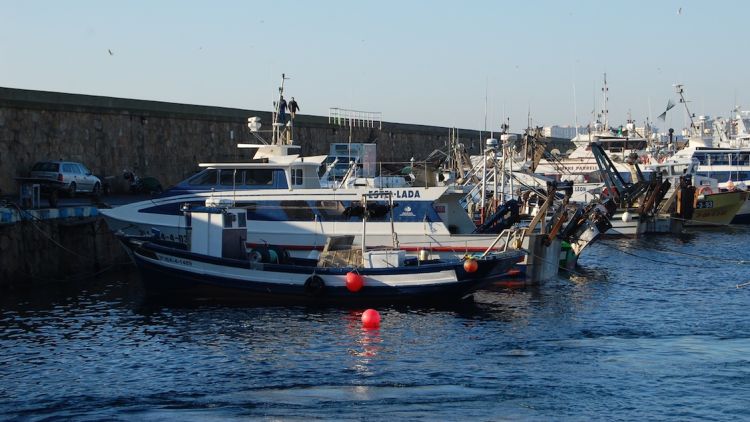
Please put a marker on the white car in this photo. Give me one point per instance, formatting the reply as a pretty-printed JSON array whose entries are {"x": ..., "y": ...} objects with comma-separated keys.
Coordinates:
[{"x": 75, "y": 177}]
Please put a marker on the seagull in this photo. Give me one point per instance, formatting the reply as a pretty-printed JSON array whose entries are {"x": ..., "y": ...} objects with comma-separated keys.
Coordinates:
[{"x": 110, "y": 52}]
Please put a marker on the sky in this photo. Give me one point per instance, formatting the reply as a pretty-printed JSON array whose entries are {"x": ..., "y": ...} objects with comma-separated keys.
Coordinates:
[{"x": 471, "y": 64}]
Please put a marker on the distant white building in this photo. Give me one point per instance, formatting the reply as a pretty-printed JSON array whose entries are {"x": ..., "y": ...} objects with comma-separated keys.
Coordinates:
[{"x": 565, "y": 132}]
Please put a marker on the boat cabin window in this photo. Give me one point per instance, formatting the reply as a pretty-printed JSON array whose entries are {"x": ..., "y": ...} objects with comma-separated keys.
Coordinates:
[
  {"x": 206, "y": 177},
  {"x": 296, "y": 177},
  {"x": 227, "y": 178},
  {"x": 235, "y": 177},
  {"x": 255, "y": 177},
  {"x": 228, "y": 218},
  {"x": 718, "y": 159}
]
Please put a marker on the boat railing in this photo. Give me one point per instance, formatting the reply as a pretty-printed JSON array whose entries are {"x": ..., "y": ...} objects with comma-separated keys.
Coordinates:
[
  {"x": 512, "y": 236},
  {"x": 355, "y": 118}
]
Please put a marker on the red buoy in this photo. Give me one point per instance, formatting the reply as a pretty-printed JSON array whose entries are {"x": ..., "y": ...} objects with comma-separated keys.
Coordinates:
[
  {"x": 354, "y": 281},
  {"x": 370, "y": 318},
  {"x": 513, "y": 272},
  {"x": 470, "y": 265}
]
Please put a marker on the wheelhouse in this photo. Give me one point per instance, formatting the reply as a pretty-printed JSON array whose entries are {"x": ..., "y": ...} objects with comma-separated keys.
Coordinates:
[{"x": 244, "y": 176}]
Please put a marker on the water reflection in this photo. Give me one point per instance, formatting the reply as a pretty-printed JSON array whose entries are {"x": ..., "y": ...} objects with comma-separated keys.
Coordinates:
[{"x": 619, "y": 336}]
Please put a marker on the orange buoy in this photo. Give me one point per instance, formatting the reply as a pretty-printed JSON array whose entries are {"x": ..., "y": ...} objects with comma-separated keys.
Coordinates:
[
  {"x": 354, "y": 281},
  {"x": 471, "y": 265},
  {"x": 370, "y": 318}
]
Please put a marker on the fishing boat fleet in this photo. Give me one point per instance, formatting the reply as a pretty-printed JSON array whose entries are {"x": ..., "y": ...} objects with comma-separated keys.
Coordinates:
[{"x": 283, "y": 227}]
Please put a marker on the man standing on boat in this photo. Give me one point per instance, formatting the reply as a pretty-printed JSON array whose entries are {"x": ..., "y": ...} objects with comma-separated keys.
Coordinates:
[
  {"x": 293, "y": 108},
  {"x": 282, "y": 110}
]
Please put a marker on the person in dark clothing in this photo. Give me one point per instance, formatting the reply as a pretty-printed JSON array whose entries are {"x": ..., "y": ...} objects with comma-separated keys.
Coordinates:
[
  {"x": 293, "y": 107},
  {"x": 282, "y": 110}
]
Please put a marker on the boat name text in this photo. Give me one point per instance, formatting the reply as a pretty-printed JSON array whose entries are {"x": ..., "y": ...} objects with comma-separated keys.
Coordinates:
[
  {"x": 399, "y": 194},
  {"x": 178, "y": 261}
]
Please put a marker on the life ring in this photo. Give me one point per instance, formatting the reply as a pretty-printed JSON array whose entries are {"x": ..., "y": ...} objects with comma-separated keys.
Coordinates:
[
  {"x": 704, "y": 190},
  {"x": 315, "y": 286}
]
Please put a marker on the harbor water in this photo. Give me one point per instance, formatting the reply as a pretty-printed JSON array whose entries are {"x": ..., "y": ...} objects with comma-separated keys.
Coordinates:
[{"x": 651, "y": 329}]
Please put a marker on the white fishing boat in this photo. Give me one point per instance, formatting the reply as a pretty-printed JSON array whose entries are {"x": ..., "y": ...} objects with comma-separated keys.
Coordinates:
[
  {"x": 286, "y": 204},
  {"x": 721, "y": 164},
  {"x": 580, "y": 165}
]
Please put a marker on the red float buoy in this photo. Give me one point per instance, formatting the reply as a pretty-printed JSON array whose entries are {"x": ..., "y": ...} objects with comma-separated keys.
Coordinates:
[
  {"x": 513, "y": 272},
  {"x": 470, "y": 265},
  {"x": 354, "y": 281},
  {"x": 371, "y": 318}
]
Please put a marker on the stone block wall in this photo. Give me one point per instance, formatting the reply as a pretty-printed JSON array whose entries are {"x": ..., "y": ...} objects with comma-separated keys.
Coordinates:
[
  {"x": 52, "y": 251},
  {"x": 167, "y": 140}
]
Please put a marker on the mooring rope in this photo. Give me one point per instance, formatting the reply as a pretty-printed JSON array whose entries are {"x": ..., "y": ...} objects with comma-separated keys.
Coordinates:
[{"x": 34, "y": 219}]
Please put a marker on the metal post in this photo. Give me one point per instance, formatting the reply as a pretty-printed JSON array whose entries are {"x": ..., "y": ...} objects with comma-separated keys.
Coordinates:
[
  {"x": 484, "y": 185},
  {"x": 394, "y": 235},
  {"x": 364, "y": 227}
]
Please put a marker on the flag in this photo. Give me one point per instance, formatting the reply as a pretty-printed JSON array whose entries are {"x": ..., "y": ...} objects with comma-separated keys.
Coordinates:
[{"x": 663, "y": 116}]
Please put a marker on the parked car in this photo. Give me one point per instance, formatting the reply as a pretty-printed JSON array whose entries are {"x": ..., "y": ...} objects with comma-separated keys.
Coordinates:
[{"x": 75, "y": 177}]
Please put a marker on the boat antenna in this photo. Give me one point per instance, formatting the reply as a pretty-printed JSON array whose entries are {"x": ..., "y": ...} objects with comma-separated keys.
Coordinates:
[
  {"x": 486, "y": 83},
  {"x": 575, "y": 109}
]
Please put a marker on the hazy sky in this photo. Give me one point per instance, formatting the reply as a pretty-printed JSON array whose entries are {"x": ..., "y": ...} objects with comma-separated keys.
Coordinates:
[{"x": 425, "y": 62}]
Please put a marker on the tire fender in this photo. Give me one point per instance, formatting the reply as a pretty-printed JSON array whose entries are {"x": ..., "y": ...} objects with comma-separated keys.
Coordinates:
[{"x": 315, "y": 286}]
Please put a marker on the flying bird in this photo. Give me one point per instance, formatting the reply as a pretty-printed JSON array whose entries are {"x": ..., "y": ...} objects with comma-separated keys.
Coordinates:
[
  {"x": 679, "y": 11},
  {"x": 110, "y": 52}
]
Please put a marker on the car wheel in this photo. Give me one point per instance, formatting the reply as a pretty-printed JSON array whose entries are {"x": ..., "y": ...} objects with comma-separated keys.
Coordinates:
[{"x": 72, "y": 190}]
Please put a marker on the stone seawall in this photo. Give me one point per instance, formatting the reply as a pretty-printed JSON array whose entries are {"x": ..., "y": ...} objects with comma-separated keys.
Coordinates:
[
  {"x": 54, "y": 250},
  {"x": 167, "y": 140}
]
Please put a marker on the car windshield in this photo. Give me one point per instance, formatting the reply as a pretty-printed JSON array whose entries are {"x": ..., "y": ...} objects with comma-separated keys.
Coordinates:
[{"x": 46, "y": 166}]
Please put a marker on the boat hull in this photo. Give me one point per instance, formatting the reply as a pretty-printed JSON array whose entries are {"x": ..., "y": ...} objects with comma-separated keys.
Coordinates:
[
  {"x": 717, "y": 209},
  {"x": 743, "y": 215},
  {"x": 174, "y": 273}
]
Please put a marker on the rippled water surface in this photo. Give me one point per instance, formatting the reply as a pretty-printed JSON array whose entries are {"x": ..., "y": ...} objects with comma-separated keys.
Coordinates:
[{"x": 646, "y": 329}]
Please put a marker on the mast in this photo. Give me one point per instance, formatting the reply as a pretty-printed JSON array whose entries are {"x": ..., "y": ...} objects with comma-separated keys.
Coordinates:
[
  {"x": 276, "y": 135},
  {"x": 605, "y": 93},
  {"x": 681, "y": 91},
  {"x": 575, "y": 109}
]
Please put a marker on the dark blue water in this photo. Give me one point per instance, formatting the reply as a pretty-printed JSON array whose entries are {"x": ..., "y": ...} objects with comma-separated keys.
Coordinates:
[{"x": 651, "y": 329}]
